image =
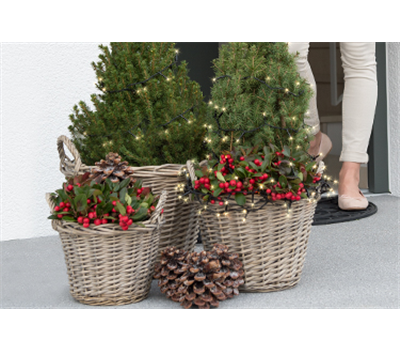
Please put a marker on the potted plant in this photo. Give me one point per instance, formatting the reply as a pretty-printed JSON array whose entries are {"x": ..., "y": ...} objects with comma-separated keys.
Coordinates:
[
  {"x": 152, "y": 114},
  {"x": 109, "y": 231},
  {"x": 258, "y": 190}
]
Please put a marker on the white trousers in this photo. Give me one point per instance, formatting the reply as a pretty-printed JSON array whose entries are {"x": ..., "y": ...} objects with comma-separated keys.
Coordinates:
[{"x": 359, "y": 96}]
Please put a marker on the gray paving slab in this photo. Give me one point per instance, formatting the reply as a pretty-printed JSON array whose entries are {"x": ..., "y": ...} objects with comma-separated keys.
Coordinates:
[{"x": 352, "y": 265}]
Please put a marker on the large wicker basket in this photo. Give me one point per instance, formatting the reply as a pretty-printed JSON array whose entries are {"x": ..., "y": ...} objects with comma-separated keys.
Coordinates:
[
  {"x": 271, "y": 244},
  {"x": 181, "y": 226},
  {"x": 109, "y": 266}
]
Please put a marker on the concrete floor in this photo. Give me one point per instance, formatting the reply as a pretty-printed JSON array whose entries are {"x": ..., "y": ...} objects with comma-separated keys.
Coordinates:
[{"x": 353, "y": 265}]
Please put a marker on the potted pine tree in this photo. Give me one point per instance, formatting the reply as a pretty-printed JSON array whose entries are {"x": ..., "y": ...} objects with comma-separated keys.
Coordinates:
[
  {"x": 151, "y": 113},
  {"x": 258, "y": 190}
]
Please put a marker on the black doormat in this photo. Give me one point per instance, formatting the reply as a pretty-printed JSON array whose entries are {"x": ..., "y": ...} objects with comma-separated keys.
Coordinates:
[{"x": 328, "y": 212}]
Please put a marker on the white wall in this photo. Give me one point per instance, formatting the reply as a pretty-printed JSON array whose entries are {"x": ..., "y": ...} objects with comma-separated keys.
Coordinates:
[
  {"x": 40, "y": 83},
  {"x": 393, "y": 74}
]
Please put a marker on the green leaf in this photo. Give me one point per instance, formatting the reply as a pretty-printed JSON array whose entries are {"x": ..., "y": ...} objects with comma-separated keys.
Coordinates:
[
  {"x": 300, "y": 176},
  {"x": 62, "y": 194},
  {"x": 240, "y": 172},
  {"x": 140, "y": 214},
  {"x": 220, "y": 166},
  {"x": 240, "y": 198},
  {"x": 80, "y": 202},
  {"x": 220, "y": 177},
  {"x": 121, "y": 208},
  {"x": 123, "y": 194},
  {"x": 283, "y": 181},
  {"x": 199, "y": 174},
  {"x": 125, "y": 183},
  {"x": 217, "y": 192},
  {"x": 68, "y": 218},
  {"x": 128, "y": 199},
  {"x": 286, "y": 151},
  {"x": 53, "y": 217}
]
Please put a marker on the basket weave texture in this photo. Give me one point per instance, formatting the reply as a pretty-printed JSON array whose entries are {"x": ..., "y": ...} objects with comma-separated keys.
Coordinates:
[
  {"x": 271, "y": 245},
  {"x": 181, "y": 227},
  {"x": 109, "y": 266}
]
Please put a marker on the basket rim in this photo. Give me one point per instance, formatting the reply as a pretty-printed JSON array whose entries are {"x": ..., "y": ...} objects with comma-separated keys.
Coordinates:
[{"x": 105, "y": 229}]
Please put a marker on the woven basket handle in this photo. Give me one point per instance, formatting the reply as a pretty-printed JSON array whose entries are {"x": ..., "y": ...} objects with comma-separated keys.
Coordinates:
[
  {"x": 157, "y": 216},
  {"x": 65, "y": 162},
  {"x": 50, "y": 202}
]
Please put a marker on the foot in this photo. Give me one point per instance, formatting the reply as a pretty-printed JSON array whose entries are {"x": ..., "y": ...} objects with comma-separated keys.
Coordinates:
[
  {"x": 349, "y": 178},
  {"x": 315, "y": 145}
]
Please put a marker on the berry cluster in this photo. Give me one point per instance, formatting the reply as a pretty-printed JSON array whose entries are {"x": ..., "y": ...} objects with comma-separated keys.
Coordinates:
[
  {"x": 274, "y": 174},
  {"x": 101, "y": 204}
]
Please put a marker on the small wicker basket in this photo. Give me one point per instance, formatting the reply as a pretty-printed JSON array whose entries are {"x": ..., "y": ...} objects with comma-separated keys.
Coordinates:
[
  {"x": 181, "y": 228},
  {"x": 271, "y": 244},
  {"x": 107, "y": 265}
]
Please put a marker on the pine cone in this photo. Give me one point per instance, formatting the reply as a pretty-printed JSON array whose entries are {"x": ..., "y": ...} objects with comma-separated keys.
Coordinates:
[
  {"x": 112, "y": 168},
  {"x": 205, "y": 278}
]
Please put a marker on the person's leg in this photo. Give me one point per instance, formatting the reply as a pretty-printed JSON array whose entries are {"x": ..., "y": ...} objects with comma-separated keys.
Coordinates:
[
  {"x": 359, "y": 102},
  {"x": 304, "y": 69}
]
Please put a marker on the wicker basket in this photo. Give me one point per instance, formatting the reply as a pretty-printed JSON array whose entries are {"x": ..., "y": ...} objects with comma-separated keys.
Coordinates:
[
  {"x": 109, "y": 266},
  {"x": 181, "y": 226},
  {"x": 271, "y": 244}
]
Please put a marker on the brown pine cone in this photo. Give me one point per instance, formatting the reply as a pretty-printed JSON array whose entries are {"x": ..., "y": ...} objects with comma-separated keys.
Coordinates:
[
  {"x": 202, "y": 279},
  {"x": 113, "y": 168}
]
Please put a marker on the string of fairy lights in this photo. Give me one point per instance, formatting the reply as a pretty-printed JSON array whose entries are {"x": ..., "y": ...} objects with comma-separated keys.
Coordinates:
[{"x": 185, "y": 190}]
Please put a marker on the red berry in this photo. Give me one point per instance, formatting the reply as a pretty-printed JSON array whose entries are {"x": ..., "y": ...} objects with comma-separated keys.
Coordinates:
[
  {"x": 70, "y": 188},
  {"x": 221, "y": 185},
  {"x": 62, "y": 204},
  {"x": 232, "y": 183},
  {"x": 226, "y": 184},
  {"x": 207, "y": 186},
  {"x": 239, "y": 184},
  {"x": 278, "y": 196},
  {"x": 113, "y": 210},
  {"x": 230, "y": 161},
  {"x": 97, "y": 222},
  {"x": 207, "y": 180},
  {"x": 68, "y": 204},
  {"x": 86, "y": 225},
  {"x": 114, "y": 203},
  {"x": 298, "y": 198},
  {"x": 65, "y": 209},
  {"x": 78, "y": 184},
  {"x": 202, "y": 180},
  {"x": 252, "y": 181},
  {"x": 124, "y": 228},
  {"x": 130, "y": 222},
  {"x": 88, "y": 201},
  {"x": 212, "y": 201},
  {"x": 229, "y": 190},
  {"x": 268, "y": 191},
  {"x": 228, "y": 156},
  {"x": 91, "y": 215},
  {"x": 153, "y": 208},
  {"x": 196, "y": 182},
  {"x": 86, "y": 220},
  {"x": 56, "y": 208},
  {"x": 162, "y": 210},
  {"x": 59, "y": 216},
  {"x": 139, "y": 191},
  {"x": 80, "y": 219},
  {"x": 242, "y": 158},
  {"x": 221, "y": 203}
]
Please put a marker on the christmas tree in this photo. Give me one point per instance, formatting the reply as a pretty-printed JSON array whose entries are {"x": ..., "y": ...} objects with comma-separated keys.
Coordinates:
[
  {"x": 147, "y": 110},
  {"x": 258, "y": 98}
]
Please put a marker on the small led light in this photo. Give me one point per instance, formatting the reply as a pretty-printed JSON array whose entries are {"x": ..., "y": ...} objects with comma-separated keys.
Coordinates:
[
  {"x": 218, "y": 214},
  {"x": 226, "y": 202},
  {"x": 244, "y": 220},
  {"x": 225, "y": 213},
  {"x": 244, "y": 211}
]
